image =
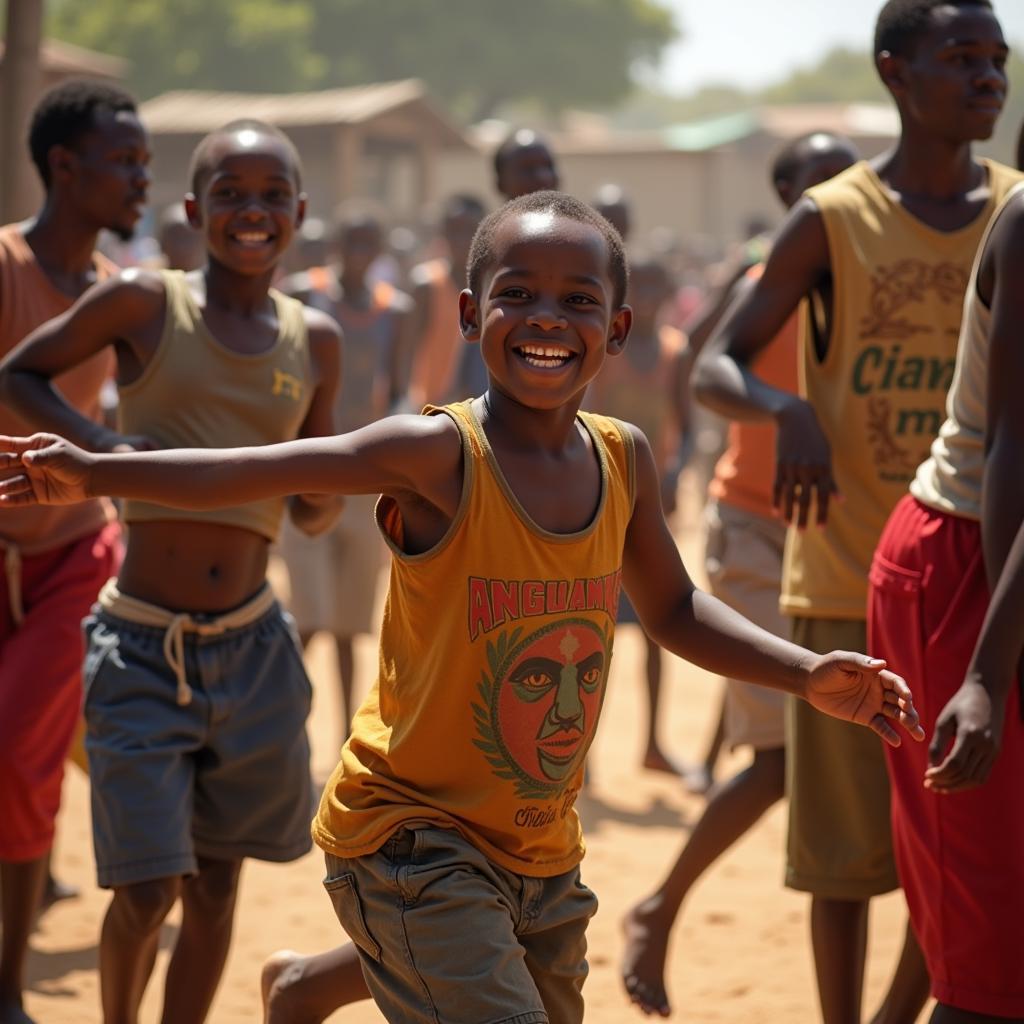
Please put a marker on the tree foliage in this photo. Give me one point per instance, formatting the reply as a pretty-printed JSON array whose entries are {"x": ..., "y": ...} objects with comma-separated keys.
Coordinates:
[{"x": 473, "y": 54}]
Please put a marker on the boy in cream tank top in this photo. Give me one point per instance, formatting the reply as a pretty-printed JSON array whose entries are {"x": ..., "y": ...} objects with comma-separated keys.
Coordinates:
[
  {"x": 883, "y": 254},
  {"x": 449, "y": 826},
  {"x": 958, "y": 807},
  {"x": 195, "y": 695}
]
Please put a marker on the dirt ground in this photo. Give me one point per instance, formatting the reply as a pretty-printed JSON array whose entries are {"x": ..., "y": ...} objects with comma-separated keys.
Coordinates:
[{"x": 740, "y": 952}]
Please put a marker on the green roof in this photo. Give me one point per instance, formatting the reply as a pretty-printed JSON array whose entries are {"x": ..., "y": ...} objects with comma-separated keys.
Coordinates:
[{"x": 710, "y": 132}]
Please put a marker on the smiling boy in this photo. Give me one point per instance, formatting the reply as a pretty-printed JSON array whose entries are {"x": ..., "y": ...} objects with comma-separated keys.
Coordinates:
[
  {"x": 196, "y": 698},
  {"x": 452, "y": 840}
]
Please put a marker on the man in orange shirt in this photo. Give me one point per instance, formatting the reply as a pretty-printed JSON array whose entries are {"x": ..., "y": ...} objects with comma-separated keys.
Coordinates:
[
  {"x": 744, "y": 567},
  {"x": 91, "y": 152}
]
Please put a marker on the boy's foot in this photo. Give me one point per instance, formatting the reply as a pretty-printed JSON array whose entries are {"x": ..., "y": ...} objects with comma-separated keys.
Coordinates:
[
  {"x": 655, "y": 761},
  {"x": 698, "y": 780},
  {"x": 55, "y": 891},
  {"x": 11, "y": 1012},
  {"x": 280, "y": 987},
  {"x": 643, "y": 960}
]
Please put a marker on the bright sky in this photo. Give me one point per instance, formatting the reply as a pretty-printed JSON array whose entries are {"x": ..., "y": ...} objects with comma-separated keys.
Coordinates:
[{"x": 755, "y": 42}]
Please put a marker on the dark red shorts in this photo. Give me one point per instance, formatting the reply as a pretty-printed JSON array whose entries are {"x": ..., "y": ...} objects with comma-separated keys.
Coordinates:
[
  {"x": 960, "y": 857},
  {"x": 41, "y": 684}
]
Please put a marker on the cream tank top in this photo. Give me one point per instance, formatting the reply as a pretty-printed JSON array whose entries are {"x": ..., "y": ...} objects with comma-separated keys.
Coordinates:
[
  {"x": 950, "y": 478},
  {"x": 197, "y": 393}
]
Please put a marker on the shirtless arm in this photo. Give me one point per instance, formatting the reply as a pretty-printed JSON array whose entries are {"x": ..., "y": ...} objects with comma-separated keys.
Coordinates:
[
  {"x": 973, "y": 718},
  {"x": 119, "y": 312},
  {"x": 702, "y": 629},
  {"x": 315, "y": 513},
  {"x": 799, "y": 262}
]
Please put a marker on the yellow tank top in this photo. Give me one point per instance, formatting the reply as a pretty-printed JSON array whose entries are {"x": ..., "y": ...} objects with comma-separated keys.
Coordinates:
[
  {"x": 880, "y": 392},
  {"x": 494, "y": 655},
  {"x": 195, "y": 393}
]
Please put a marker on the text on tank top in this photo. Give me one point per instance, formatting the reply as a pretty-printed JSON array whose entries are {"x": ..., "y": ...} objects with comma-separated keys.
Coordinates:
[
  {"x": 950, "y": 479},
  {"x": 197, "y": 393},
  {"x": 494, "y": 657},
  {"x": 28, "y": 298},
  {"x": 879, "y": 394}
]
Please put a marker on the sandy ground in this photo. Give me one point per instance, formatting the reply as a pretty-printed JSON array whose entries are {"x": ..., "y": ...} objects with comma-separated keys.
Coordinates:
[{"x": 740, "y": 952}]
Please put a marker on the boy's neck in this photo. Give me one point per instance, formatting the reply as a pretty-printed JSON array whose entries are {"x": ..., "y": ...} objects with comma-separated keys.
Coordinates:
[
  {"x": 355, "y": 289},
  {"x": 514, "y": 425},
  {"x": 926, "y": 167},
  {"x": 62, "y": 242},
  {"x": 241, "y": 294}
]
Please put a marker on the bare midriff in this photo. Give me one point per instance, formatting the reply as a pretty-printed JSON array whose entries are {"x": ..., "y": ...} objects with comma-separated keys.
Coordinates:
[{"x": 193, "y": 566}]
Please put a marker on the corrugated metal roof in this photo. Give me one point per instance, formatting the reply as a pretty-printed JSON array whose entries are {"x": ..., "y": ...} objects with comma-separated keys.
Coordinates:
[{"x": 190, "y": 111}]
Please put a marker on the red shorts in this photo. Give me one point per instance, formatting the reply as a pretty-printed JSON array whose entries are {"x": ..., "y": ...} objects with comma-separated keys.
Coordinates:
[
  {"x": 41, "y": 684},
  {"x": 960, "y": 857}
]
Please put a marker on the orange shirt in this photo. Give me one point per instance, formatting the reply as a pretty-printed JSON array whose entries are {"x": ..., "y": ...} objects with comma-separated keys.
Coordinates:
[
  {"x": 745, "y": 473},
  {"x": 28, "y": 298},
  {"x": 494, "y": 654}
]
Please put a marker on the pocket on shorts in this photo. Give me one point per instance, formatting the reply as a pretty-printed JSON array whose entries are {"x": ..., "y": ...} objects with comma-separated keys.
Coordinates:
[
  {"x": 101, "y": 643},
  {"x": 349, "y": 909},
  {"x": 292, "y": 630}
]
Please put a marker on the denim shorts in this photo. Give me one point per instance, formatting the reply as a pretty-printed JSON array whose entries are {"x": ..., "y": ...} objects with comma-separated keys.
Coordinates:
[
  {"x": 223, "y": 777},
  {"x": 445, "y": 936}
]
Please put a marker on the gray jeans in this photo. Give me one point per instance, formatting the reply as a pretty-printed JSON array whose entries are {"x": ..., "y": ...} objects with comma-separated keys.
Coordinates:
[{"x": 445, "y": 936}]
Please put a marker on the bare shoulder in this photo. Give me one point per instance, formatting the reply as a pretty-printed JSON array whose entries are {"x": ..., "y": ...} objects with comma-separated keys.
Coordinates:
[
  {"x": 322, "y": 328},
  {"x": 133, "y": 298}
]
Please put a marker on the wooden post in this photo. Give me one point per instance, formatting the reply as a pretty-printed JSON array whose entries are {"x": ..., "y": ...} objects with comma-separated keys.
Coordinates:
[{"x": 20, "y": 81}]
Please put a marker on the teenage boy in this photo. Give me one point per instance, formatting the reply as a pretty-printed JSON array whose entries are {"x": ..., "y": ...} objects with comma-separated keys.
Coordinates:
[
  {"x": 91, "y": 152},
  {"x": 743, "y": 562},
  {"x": 959, "y": 838},
  {"x": 884, "y": 252},
  {"x": 195, "y": 695},
  {"x": 513, "y": 520}
]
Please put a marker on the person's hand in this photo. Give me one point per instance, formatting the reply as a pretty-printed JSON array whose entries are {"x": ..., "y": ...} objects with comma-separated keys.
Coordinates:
[
  {"x": 53, "y": 471},
  {"x": 859, "y": 689},
  {"x": 803, "y": 466},
  {"x": 973, "y": 721}
]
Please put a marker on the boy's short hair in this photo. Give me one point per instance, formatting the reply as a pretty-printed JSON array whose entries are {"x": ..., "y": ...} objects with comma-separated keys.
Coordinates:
[
  {"x": 788, "y": 161},
  {"x": 199, "y": 164},
  {"x": 482, "y": 254},
  {"x": 66, "y": 113},
  {"x": 900, "y": 22},
  {"x": 462, "y": 204},
  {"x": 517, "y": 139}
]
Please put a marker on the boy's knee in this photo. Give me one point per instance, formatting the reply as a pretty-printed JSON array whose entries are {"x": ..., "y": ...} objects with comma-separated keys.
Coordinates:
[
  {"x": 144, "y": 905},
  {"x": 213, "y": 888}
]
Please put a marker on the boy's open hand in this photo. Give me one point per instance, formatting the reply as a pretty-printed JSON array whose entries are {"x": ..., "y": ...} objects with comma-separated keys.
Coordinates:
[
  {"x": 973, "y": 722},
  {"x": 53, "y": 471},
  {"x": 858, "y": 689}
]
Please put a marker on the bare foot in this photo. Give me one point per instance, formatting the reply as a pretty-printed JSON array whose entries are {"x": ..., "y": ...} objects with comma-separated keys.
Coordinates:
[
  {"x": 279, "y": 971},
  {"x": 643, "y": 961},
  {"x": 655, "y": 761},
  {"x": 698, "y": 780},
  {"x": 11, "y": 1012}
]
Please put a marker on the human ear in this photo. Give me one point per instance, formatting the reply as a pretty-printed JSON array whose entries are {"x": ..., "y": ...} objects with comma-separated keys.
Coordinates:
[
  {"x": 891, "y": 70},
  {"x": 469, "y": 316},
  {"x": 60, "y": 160},
  {"x": 300, "y": 209},
  {"x": 192, "y": 211},
  {"x": 618, "y": 329}
]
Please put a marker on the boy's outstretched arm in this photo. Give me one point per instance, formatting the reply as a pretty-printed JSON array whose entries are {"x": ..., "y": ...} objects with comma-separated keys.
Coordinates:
[
  {"x": 403, "y": 456},
  {"x": 703, "y": 630}
]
